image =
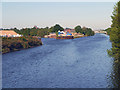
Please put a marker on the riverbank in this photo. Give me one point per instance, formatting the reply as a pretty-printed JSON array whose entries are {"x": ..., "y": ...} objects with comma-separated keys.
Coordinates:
[{"x": 11, "y": 44}]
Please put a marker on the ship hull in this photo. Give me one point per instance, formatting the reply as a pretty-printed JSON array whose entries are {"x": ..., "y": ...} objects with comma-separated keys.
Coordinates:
[{"x": 65, "y": 37}]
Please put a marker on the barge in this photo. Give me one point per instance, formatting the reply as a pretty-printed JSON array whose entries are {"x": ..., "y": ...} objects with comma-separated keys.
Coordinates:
[{"x": 65, "y": 37}]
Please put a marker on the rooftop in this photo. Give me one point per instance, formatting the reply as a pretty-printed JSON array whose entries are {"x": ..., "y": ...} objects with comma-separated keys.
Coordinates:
[{"x": 8, "y": 32}]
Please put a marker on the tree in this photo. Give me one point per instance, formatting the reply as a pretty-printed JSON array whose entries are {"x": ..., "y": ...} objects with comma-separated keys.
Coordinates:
[
  {"x": 50, "y": 29},
  {"x": 115, "y": 33},
  {"x": 115, "y": 39},
  {"x": 78, "y": 29},
  {"x": 108, "y": 30},
  {"x": 84, "y": 30},
  {"x": 42, "y": 32},
  {"x": 57, "y": 27},
  {"x": 33, "y": 32},
  {"x": 16, "y": 30}
]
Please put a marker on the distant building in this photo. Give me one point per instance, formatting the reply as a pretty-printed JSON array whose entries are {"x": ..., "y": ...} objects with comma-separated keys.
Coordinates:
[
  {"x": 51, "y": 35},
  {"x": 69, "y": 30},
  {"x": 9, "y": 33},
  {"x": 96, "y": 31},
  {"x": 61, "y": 33},
  {"x": 100, "y": 31},
  {"x": 66, "y": 32}
]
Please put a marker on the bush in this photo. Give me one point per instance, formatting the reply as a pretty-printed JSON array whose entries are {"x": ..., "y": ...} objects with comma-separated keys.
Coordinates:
[{"x": 17, "y": 43}]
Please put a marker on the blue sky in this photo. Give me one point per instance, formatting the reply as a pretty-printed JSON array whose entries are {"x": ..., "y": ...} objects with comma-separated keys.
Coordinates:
[{"x": 96, "y": 15}]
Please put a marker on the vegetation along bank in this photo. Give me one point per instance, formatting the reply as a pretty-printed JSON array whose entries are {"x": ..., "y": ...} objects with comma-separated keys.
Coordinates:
[{"x": 10, "y": 44}]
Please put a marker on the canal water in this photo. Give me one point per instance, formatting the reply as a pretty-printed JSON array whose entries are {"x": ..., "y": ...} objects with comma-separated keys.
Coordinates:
[{"x": 75, "y": 63}]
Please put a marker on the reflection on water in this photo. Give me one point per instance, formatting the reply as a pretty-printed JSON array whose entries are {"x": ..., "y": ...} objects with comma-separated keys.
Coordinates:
[{"x": 78, "y": 63}]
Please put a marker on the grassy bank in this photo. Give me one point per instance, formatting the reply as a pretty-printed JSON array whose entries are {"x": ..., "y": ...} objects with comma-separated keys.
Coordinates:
[{"x": 10, "y": 44}]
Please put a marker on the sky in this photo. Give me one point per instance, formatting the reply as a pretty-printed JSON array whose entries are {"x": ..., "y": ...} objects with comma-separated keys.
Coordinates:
[
  {"x": 95, "y": 15},
  {"x": 59, "y": 0}
]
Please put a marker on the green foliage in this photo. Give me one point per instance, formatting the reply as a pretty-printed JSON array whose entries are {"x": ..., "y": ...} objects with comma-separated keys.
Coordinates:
[
  {"x": 17, "y": 43},
  {"x": 56, "y": 33},
  {"x": 41, "y": 32},
  {"x": 51, "y": 29},
  {"x": 33, "y": 31},
  {"x": 57, "y": 27},
  {"x": 88, "y": 32},
  {"x": 109, "y": 52},
  {"x": 38, "y": 31},
  {"x": 108, "y": 30},
  {"x": 16, "y": 30},
  {"x": 115, "y": 33},
  {"x": 78, "y": 29},
  {"x": 84, "y": 30}
]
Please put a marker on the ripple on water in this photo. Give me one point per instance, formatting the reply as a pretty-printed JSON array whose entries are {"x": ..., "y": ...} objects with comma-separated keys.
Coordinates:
[{"x": 78, "y": 63}]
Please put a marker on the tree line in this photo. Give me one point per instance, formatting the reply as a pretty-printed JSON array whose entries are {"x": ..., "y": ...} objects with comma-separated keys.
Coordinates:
[
  {"x": 84, "y": 30},
  {"x": 35, "y": 31},
  {"x": 114, "y": 33}
]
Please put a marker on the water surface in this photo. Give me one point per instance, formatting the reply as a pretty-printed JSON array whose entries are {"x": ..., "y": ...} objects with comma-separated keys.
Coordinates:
[{"x": 78, "y": 63}]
